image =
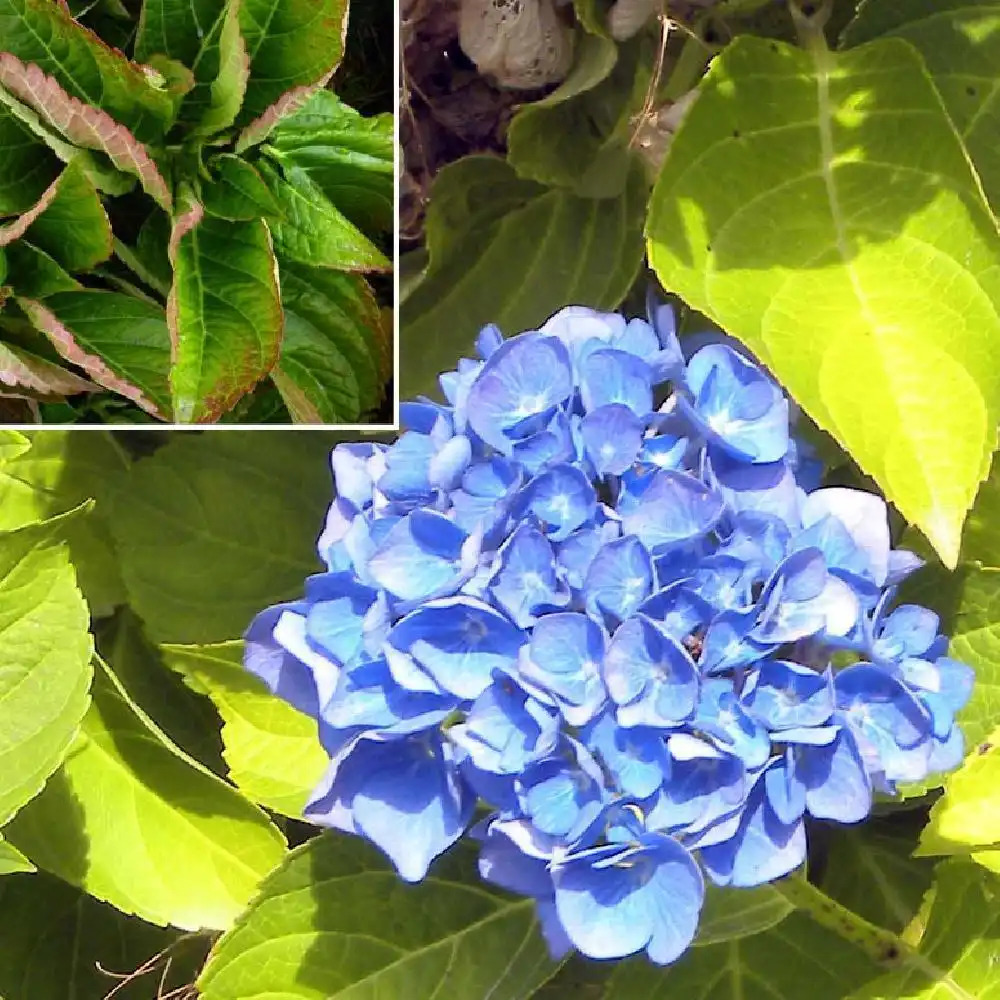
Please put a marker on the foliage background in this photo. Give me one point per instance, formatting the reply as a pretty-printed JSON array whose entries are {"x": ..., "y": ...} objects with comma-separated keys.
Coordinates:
[{"x": 186, "y": 239}]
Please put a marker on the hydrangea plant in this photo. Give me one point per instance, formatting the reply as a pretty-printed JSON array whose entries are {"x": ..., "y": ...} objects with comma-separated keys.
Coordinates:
[{"x": 599, "y": 614}]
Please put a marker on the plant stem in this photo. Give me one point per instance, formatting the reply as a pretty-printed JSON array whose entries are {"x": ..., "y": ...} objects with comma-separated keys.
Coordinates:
[
  {"x": 688, "y": 69},
  {"x": 881, "y": 946},
  {"x": 809, "y": 26}
]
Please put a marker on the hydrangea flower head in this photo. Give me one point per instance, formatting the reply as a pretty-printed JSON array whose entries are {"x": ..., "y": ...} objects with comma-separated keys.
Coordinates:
[{"x": 599, "y": 596}]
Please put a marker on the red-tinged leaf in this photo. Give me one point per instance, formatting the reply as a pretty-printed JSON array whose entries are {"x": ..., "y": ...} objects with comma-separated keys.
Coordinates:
[
  {"x": 223, "y": 312},
  {"x": 69, "y": 346},
  {"x": 68, "y": 221},
  {"x": 27, "y": 167},
  {"x": 23, "y": 373},
  {"x": 44, "y": 33},
  {"x": 82, "y": 124},
  {"x": 15, "y": 230},
  {"x": 285, "y": 106},
  {"x": 292, "y": 44}
]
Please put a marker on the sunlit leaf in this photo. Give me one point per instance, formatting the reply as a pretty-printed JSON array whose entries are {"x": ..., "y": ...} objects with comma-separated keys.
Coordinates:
[{"x": 821, "y": 208}]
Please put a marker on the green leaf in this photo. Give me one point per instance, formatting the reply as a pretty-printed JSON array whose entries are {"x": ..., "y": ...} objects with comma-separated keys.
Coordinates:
[
  {"x": 869, "y": 869},
  {"x": 786, "y": 961},
  {"x": 337, "y": 352},
  {"x": 273, "y": 750},
  {"x": 968, "y": 601},
  {"x": 188, "y": 719},
  {"x": 120, "y": 341},
  {"x": 85, "y": 125},
  {"x": 68, "y": 222},
  {"x": 736, "y": 913},
  {"x": 957, "y": 949},
  {"x": 350, "y": 157},
  {"x": 794, "y": 958},
  {"x": 967, "y": 816},
  {"x": 45, "y": 34},
  {"x": 807, "y": 191},
  {"x": 224, "y": 312},
  {"x": 13, "y": 862},
  {"x": 511, "y": 252},
  {"x": 44, "y": 660},
  {"x": 57, "y": 943},
  {"x": 180, "y": 29},
  {"x": 976, "y": 641},
  {"x": 237, "y": 192},
  {"x": 960, "y": 43},
  {"x": 313, "y": 231},
  {"x": 225, "y": 64},
  {"x": 336, "y": 922},
  {"x": 60, "y": 471},
  {"x": 198, "y": 566},
  {"x": 35, "y": 273},
  {"x": 27, "y": 167},
  {"x": 128, "y": 806},
  {"x": 593, "y": 15},
  {"x": 578, "y": 136},
  {"x": 292, "y": 44},
  {"x": 13, "y": 444}
]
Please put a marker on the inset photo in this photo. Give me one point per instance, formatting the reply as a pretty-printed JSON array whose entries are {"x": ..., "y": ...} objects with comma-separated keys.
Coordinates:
[{"x": 197, "y": 213}]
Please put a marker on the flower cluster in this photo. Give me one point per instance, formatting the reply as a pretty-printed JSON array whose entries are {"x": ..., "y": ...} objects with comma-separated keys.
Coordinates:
[{"x": 601, "y": 595}]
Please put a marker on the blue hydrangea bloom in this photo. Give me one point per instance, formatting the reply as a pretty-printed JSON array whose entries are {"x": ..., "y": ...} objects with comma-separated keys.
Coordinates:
[{"x": 601, "y": 594}]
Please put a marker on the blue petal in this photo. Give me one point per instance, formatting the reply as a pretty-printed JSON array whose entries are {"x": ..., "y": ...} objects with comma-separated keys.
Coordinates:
[
  {"x": 704, "y": 783},
  {"x": 677, "y": 610},
  {"x": 614, "y": 901},
  {"x": 877, "y": 703},
  {"x": 619, "y": 579},
  {"x": 612, "y": 436},
  {"x": 335, "y": 622},
  {"x": 637, "y": 758},
  {"x": 577, "y": 552},
  {"x": 908, "y": 631},
  {"x": 489, "y": 341},
  {"x": 526, "y": 377},
  {"x": 562, "y": 499},
  {"x": 762, "y": 850},
  {"x": 736, "y": 405},
  {"x": 449, "y": 463},
  {"x": 672, "y": 509},
  {"x": 404, "y": 795},
  {"x": 420, "y": 557},
  {"x": 459, "y": 642},
  {"x": 562, "y": 793},
  {"x": 563, "y": 662},
  {"x": 650, "y": 675},
  {"x": 502, "y": 862},
  {"x": 609, "y": 376},
  {"x": 785, "y": 790},
  {"x": 720, "y": 716},
  {"x": 836, "y": 781},
  {"x": 863, "y": 515},
  {"x": 766, "y": 489},
  {"x": 368, "y": 697},
  {"x": 352, "y": 472},
  {"x": 784, "y": 695},
  {"x": 525, "y": 582},
  {"x": 505, "y": 729}
]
